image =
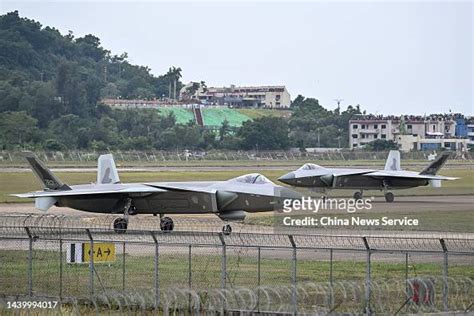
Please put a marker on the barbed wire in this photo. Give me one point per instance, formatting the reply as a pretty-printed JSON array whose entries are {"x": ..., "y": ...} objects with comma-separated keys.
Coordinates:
[
  {"x": 53, "y": 227},
  {"x": 388, "y": 296}
]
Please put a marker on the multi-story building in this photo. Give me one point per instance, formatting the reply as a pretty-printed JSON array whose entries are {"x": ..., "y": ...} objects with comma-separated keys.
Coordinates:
[
  {"x": 367, "y": 128},
  {"x": 256, "y": 96},
  {"x": 470, "y": 131}
]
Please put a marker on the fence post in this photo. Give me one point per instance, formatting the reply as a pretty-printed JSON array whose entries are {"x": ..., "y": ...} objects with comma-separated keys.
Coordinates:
[
  {"x": 223, "y": 271},
  {"x": 189, "y": 276},
  {"x": 30, "y": 262},
  {"x": 294, "y": 299},
  {"x": 123, "y": 266},
  {"x": 368, "y": 280},
  {"x": 445, "y": 275},
  {"x": 156, "y": 275},
  {"x": 60, "y": 269},
  {"x": 224, "y": 261},
  {"x": 331, "y": 293},
  {"x": 91, "y": 263},
  {"x": 258, "y": 277}
]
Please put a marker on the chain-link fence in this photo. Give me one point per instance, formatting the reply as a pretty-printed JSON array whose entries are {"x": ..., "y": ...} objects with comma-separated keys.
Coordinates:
[
  {"x": 95, "y": 269},
  {"x": 186, "y": 155}
]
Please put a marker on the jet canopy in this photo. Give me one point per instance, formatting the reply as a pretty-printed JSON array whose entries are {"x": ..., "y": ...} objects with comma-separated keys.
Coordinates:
[
  {"x": 310, "y": 166},
  {"x": 252, "y": 178}
]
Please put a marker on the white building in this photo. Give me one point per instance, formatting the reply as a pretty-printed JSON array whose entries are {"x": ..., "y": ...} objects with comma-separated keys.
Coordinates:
[
  {"x": 274, "y": 97},
  {"x": 368, "y": 128}
]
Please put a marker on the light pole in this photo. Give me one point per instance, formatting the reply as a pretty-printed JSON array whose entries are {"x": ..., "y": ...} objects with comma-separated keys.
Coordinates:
[
  {"x": 319, "y": 143},
  {"x": 339, "y": 138}
]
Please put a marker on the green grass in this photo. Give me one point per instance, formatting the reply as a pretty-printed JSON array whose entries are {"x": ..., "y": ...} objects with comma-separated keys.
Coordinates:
[
  {"x": 258, "y": 113},
  {"x": 215, "y": 117},
  {"x": 174, "y": 268},
  {"x": 182, "y": 115}
]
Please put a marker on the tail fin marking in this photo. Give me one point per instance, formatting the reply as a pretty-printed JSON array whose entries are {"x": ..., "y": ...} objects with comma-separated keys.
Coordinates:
[
  {"x": 106, "y": 170},
  {"x": 49, "y": 180},
  {"x": 393, "y": 161},
  {"x": 436, "y": 165}
]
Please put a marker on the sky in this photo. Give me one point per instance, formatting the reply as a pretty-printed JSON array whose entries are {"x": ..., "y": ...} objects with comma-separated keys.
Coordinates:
[{"x": 405, "y": 57}]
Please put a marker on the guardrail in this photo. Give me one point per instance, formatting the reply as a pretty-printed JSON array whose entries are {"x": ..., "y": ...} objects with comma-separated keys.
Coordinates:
[{"x": 195, "y": 272}]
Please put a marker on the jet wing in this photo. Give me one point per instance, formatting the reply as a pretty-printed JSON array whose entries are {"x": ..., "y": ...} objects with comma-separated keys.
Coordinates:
[
  {"x": 350, "y": 172},
  {"x": 202, "y": 187},
  {"x": 134, "y": 190},
  {"x": 406, "y": 175}
]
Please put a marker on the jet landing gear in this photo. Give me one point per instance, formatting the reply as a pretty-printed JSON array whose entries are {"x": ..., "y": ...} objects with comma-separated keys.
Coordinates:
[
  {"x": 358, "y": 195},
  {"x": 121, "y": 224},
  {"x": 166, "y": 224},
  {"x": 389, "y": 197},
  {"x": 227, "y": 229}
]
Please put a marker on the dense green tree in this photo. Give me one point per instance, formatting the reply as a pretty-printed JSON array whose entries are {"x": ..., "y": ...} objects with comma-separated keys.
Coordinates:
[
  {"x": 264, "y": 133},
  {"x": 17, "y": 129}
]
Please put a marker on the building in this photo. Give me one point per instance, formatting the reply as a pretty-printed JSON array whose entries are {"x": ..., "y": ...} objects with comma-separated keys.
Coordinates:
[
  {"x": 470, "y": 131},
  {"x": 273, "y": 97},
  {"x": 410, "y": 142},
  {"x": 419, "y": 132}
]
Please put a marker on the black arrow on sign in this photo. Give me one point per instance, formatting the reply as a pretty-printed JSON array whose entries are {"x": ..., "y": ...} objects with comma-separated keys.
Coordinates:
[{"x": 107, "y": 252}]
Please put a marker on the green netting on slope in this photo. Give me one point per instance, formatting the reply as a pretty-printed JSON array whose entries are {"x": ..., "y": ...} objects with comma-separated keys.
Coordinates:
[
  {"x": 215, "y": 117},
  {"x": 182, "y": 115}
]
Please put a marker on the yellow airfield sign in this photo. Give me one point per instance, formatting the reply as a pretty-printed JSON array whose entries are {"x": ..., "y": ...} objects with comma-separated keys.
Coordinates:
[{"x": 102, "y": 252}]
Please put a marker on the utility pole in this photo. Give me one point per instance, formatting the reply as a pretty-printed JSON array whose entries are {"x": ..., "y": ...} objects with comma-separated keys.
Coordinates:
[
  {"x": 338, "y": 101},
  {"x": 169, "y": 91},
  {"x": 175, "y": 88},
  {"x": 319, "y": 143},
  {"x": 339, "y": 138}
]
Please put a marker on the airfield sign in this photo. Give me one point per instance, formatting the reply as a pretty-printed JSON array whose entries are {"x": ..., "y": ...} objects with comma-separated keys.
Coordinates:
[
  {"x": 102, "y": 252},
  {"x": 81, "y": 252}
]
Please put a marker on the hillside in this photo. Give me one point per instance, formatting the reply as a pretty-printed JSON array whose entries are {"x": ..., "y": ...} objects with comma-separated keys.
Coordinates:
[{"x": 51, "y": 84}]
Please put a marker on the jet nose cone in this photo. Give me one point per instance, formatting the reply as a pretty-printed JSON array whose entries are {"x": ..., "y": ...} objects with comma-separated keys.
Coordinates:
[{"x": 288, "y": 178}]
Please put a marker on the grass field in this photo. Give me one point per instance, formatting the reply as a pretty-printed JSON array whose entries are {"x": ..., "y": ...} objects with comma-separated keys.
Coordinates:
[{"x": 174, "y": 269}]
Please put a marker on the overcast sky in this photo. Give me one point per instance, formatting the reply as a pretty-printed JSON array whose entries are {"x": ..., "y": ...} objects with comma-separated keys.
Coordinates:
[{"x": 390, "y": 57}]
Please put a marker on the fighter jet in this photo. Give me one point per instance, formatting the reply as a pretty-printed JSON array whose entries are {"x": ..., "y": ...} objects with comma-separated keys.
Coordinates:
[
  {"x": 229, "y": 200},
  {"x": 391, "y": 178}
]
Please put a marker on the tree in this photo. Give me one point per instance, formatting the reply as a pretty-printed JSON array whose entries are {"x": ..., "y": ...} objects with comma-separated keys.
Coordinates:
[
  {"x": 17, "y": 129},
  {"x": 255, "y": 134},
  {"x": 224, "y": 130}
]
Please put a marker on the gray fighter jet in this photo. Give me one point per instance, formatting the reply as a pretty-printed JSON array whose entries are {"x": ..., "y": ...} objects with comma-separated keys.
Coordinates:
[
  {"x": 392, "y": 177},
  {"x": 230, "y": 200}
]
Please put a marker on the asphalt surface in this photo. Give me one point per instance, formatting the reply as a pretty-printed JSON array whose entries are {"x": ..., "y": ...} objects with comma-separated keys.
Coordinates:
[{"x": 211, "y": 223}]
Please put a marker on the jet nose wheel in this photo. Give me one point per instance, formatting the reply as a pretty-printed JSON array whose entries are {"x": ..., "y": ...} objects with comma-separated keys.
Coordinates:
[
  {"x": 166, "y": 224},
  {"x": 227, "y": 229},
  {"x": 389, "y": 197},
  {"x": 120, "y": 225}
]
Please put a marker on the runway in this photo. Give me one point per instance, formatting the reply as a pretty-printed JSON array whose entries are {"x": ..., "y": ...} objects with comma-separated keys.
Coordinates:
[{"x": 415, "y": 206}]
